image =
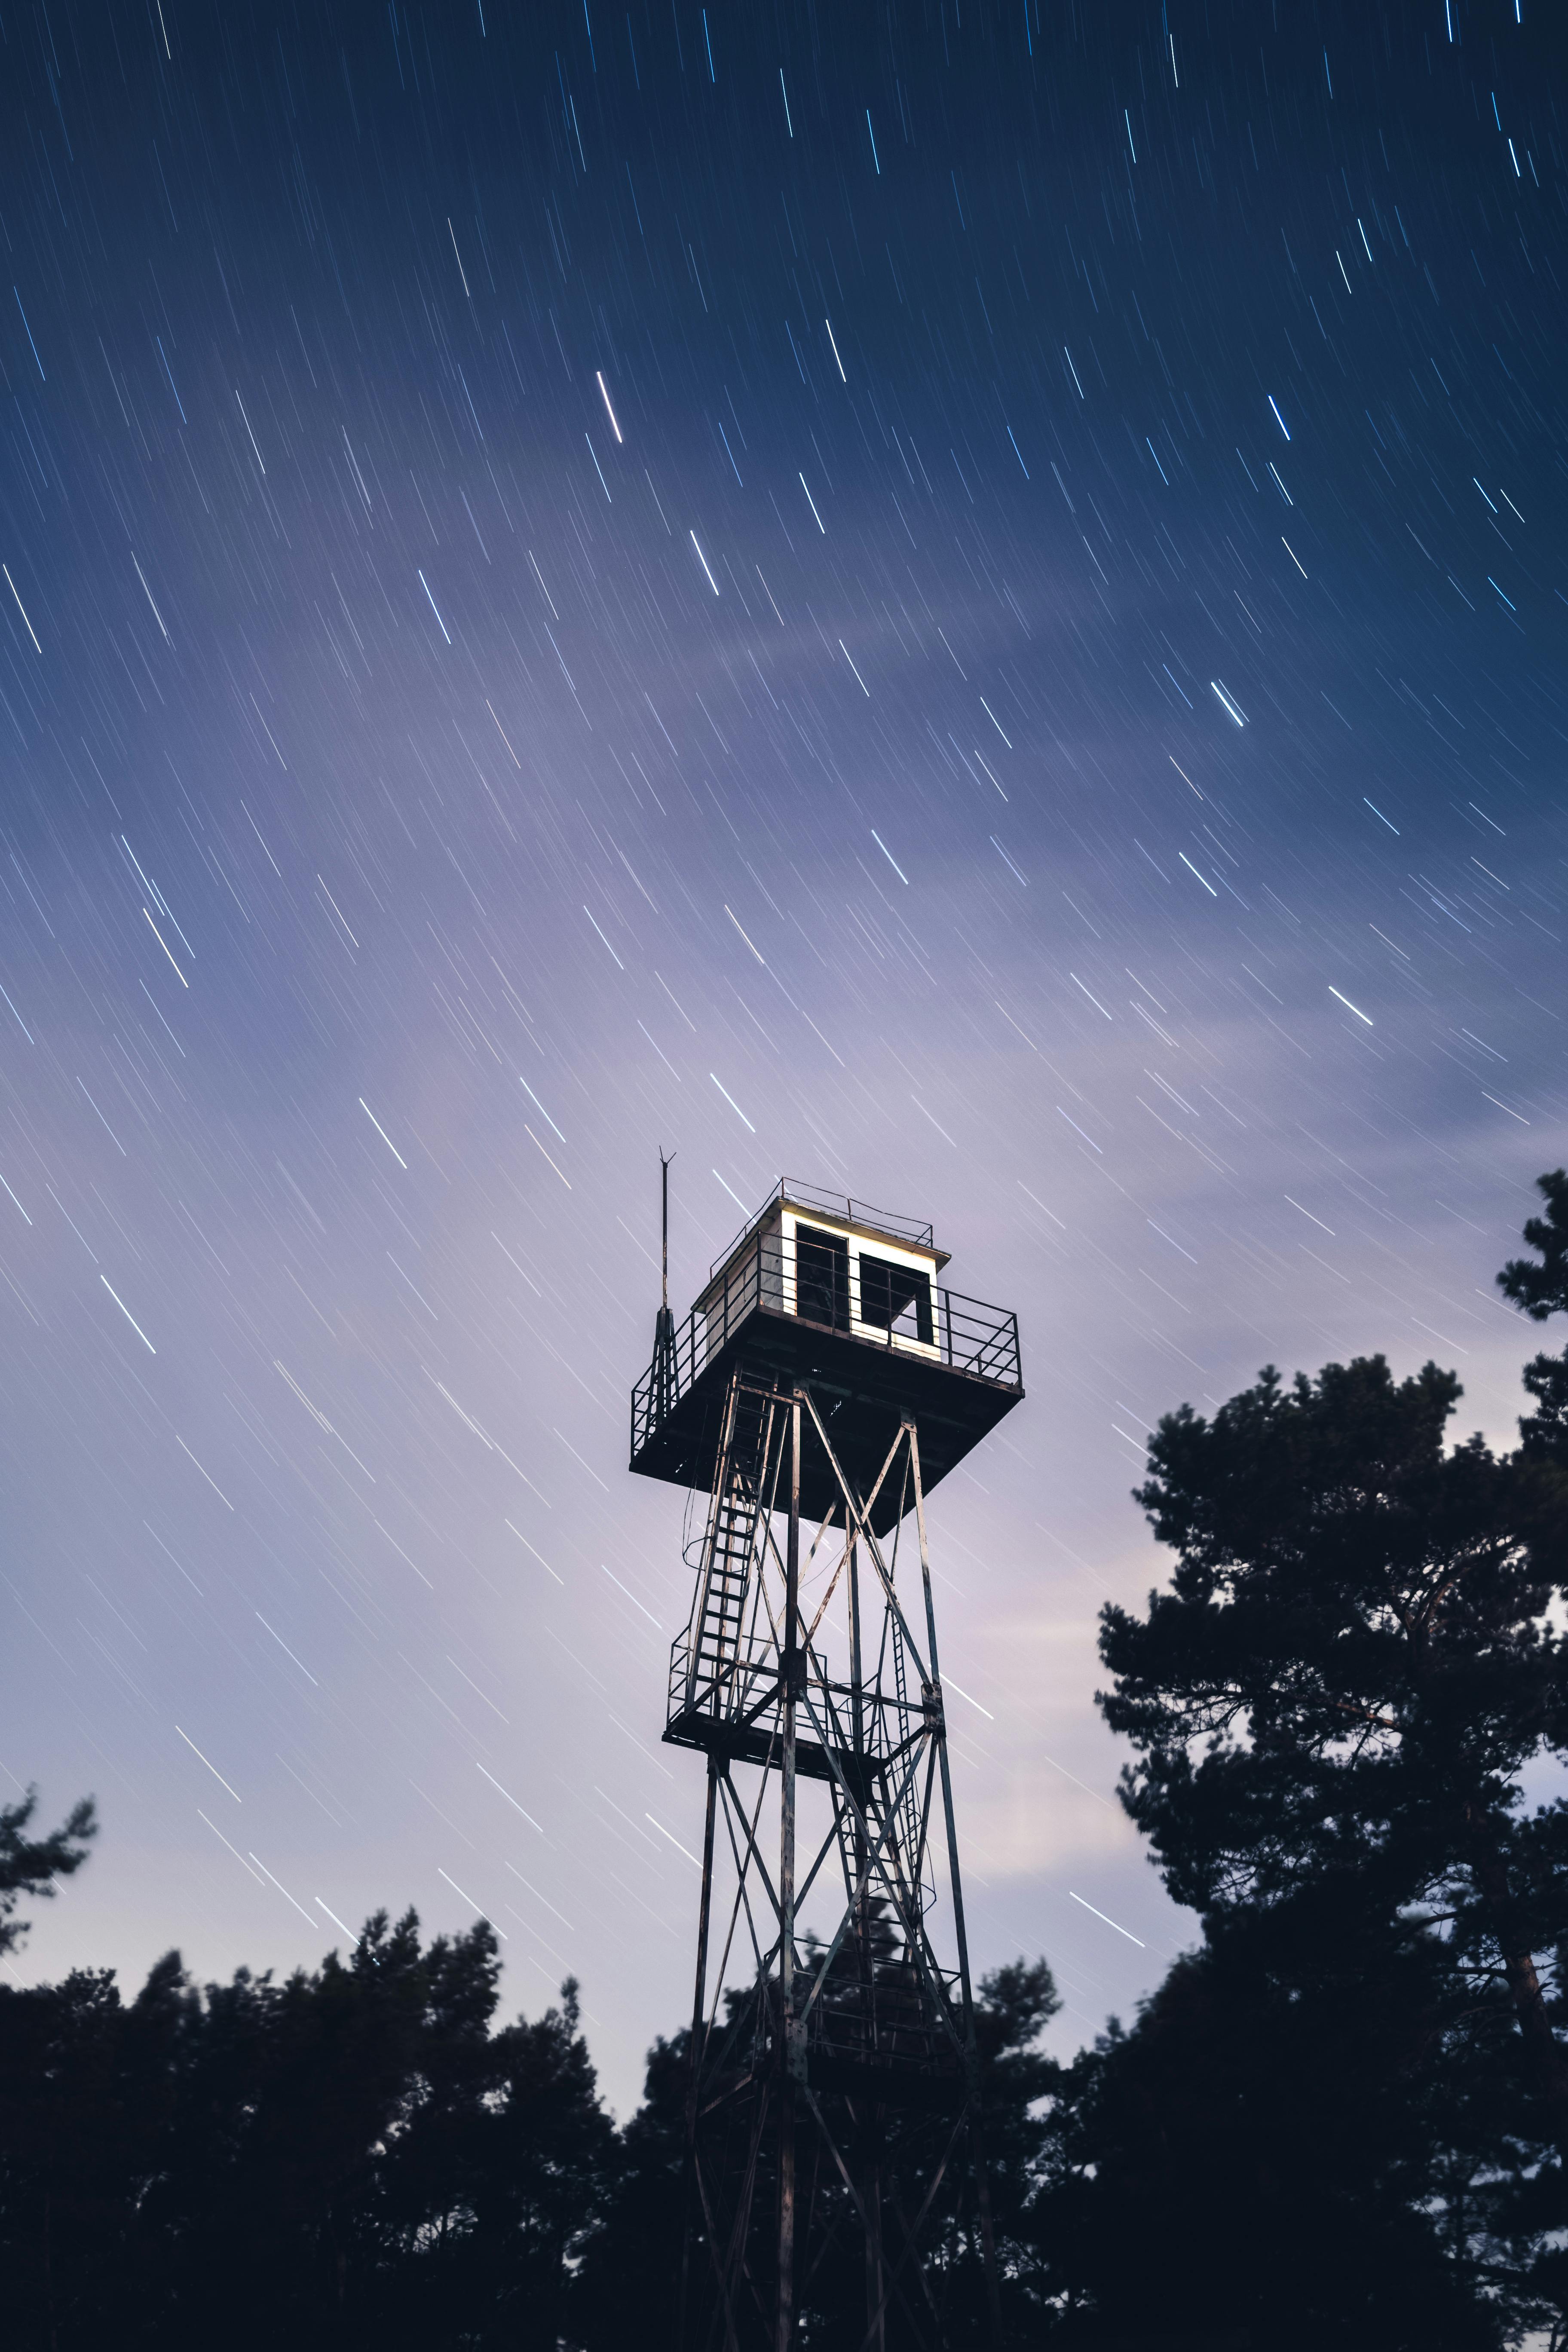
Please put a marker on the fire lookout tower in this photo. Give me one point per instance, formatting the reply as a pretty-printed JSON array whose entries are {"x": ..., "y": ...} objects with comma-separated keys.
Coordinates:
[{"x": 825, "y": 1382}]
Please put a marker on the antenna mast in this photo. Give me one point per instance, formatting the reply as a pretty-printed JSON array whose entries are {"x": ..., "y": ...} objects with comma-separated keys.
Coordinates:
[
  {"x": 664, "y": 1374},
  {"x": 664, "y": 1189}
]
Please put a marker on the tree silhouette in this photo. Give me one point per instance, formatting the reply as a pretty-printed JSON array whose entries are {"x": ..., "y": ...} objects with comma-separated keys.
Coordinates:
[
  {"x": 350, "y": 2152},
  {"x": 1335, "y": 1705},
  {"x": 30, "y": 1865}
]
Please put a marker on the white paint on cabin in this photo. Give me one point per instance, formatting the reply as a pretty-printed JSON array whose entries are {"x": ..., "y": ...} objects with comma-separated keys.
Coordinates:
[{"x": 774, "y": 1266}]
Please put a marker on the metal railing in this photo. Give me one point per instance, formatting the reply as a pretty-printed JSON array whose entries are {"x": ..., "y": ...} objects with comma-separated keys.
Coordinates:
[
  {"x": 882, "y": 2018},
  {"x": 830, "y": 1205},
  {"x": 871, "y": 2009},
  {"x": 726, "y": 1689},
  {"x": 822, "y": 1286}
]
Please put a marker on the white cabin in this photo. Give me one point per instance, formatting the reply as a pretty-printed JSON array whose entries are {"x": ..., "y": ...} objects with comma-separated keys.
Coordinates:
[{"x": 834, "y": 1262}]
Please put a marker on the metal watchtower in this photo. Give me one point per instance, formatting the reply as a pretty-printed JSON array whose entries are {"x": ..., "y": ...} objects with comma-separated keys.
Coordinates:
[{"x": 825, "y": 1381}]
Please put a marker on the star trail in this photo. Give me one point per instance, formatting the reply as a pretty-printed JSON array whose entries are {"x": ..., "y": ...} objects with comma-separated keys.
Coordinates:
[{"x": 962, "y": 603}]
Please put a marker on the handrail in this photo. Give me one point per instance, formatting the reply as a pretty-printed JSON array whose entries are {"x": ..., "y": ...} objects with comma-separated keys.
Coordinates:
[
  {"x": 965, "y": 1334},
  {"x": 811, "y": 1196}
]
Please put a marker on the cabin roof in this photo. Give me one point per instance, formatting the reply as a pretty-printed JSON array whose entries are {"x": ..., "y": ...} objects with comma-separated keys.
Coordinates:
[{"x": 857, "y": 1217}]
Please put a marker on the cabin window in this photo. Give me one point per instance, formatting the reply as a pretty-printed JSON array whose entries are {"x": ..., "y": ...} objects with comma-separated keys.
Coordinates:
[
  {"x": 822, "y": 1277},
  {"x": 890, "y": 1291}
]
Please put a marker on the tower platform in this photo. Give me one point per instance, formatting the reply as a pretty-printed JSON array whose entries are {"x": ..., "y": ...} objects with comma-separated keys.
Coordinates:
[{"x": 823, "y": 1291}]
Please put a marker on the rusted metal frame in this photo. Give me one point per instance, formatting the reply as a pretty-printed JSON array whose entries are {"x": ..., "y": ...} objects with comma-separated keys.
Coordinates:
[
  {"x": 906, "y": 1899},
  {"x": 921, "y": 1731},
  {"x": 844, "y": 2175},
  {"x": 857, "y": 1658},
  {"x": 889, "y": 1802},
  {"x": 874, "y": 2266},
  {"x": 734, "y": 1793},
  {"x": 851, "y": 1861},
  {"x": 874, "y": 1850},
  {"x": 849, "y": 1500},
  {"x": 785, "y": 2314},
  {"x": 743, "y": 1903},
  {"x": 723, "y": 2269},
  {"x": 752, "y": 1849},
  {"x": 756, "y": 1671},
  {"x": 804, "y": 1888},
  {"x": 733, "y": 2030},
  {"x": 760, "y": 1648},
  {"x": 921, "y": 1845},
  {"x": 856, "y": 2198},
  {"x": 742, "y": 1873},
  {"x": 827, "y": 1693},
  {"x": 917, "y": 1859},
  {"x": 925, "y": 1807},
  {"x": 912, "y": 2236},
  {"x": 822, "y": 1853},
  {"x": 869, "y": 1696},
  {"x": 918, "y": 1943},
  {"x": 770, "y": 1697},
  {"x": 730, "y": 2338},
  {"x": 898, "y": 1522},
  {"x": 862, "y": 1820},
  {"x": 848, "y": 1831},
  {"x": 863, "y": 1529},
  {"x": 829, "y": 2240},
  {"x": 762, "y": 1527},
  {"x": 832, "y": 1589},
  {"x": 844, "y": 1824},
  {"x": 889, "y": 1630},
  {"x": 710, "y": 1696},
  {"x": 729, "y": 2097},
  {"x": 755, "y": 1714},
  {"x": 769, "y": 1543},
  {"x": 972, "y": 2052},
  {"x": 734, "y": 2262},
  {"x": 698, "y": 2034},
  {"x": 833, "y": 1580}
]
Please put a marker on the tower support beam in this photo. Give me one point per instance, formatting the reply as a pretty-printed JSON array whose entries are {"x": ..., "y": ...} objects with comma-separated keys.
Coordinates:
[{"x": 837, "y": 2086}]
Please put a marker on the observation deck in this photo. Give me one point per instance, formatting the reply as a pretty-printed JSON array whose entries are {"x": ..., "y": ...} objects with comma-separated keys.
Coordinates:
[{"x": 826, "y": 1291}]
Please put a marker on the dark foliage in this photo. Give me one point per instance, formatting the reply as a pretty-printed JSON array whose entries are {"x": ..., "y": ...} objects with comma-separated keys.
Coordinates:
[
  {"x": 1335, "y": 1703},
  {"x": 1323, "y": 2162},
  {"x": 1543, "y": 1289},
  {"x": 1345, "y": 2119},
  {"x": 30, "y": 1865},
  {"x": 630, "y": 2286},
  {"x": 351, "y": 2155}
]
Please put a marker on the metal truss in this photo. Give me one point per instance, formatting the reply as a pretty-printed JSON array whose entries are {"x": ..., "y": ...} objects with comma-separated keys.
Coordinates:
[{"x": 834, "y": 2127}]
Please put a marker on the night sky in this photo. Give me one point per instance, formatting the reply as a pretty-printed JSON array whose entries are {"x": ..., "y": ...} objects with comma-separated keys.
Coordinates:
[{"x": 966, "y": 604}]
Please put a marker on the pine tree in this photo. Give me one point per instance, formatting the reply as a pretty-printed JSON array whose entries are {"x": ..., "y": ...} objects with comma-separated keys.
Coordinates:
[{"x": 30, "y": 1865}]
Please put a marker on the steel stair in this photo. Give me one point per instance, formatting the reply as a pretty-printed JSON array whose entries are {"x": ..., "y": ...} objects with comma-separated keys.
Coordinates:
[{"x": 725, "y": 1584}]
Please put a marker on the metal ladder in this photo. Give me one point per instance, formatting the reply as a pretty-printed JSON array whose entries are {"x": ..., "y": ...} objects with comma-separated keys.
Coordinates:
[
  {"x": 727, "y": 1550},
  {"x": 922, "y": 1890}
]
